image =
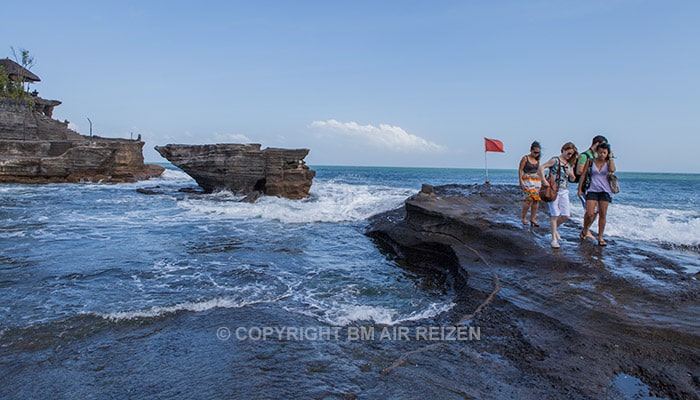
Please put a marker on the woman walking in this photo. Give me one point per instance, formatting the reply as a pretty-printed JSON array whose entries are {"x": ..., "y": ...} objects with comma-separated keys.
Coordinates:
[
  {"x": 598, "y": 193},
  {"x": 560, "y": 208},
  {"x": 530, "y": 182}
]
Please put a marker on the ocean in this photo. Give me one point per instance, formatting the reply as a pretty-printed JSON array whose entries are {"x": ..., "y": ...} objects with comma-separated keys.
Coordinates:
[{"x": 109, "y": 293}]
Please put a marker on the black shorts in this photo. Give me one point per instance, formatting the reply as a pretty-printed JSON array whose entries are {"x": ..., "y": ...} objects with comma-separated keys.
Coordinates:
[{"x": 599, "y": 196}]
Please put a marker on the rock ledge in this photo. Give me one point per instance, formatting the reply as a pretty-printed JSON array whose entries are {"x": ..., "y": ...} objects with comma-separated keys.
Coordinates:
[
  {"x": 244, "y": 168},
  {"x": 34, "y": 148}
]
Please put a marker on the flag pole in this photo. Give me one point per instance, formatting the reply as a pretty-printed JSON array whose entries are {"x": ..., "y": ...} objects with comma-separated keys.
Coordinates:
[{"x": 486, "y": 167}]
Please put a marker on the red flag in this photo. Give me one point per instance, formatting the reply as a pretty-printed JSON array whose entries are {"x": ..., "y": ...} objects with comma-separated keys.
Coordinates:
[{"x": 494, "y": 145}]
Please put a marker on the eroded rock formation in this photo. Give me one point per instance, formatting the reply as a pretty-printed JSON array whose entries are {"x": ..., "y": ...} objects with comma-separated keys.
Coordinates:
[
  {"x": 244, "y": 168},
  {"x": 35, "y": 148},
  {"x": 559, "y": 323}
]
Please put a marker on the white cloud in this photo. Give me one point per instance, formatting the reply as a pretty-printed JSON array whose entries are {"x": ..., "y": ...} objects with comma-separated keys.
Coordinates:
[
  {"x": 190, "y": 138},
  {"x": 231, "y": 138},
  {"x": 384, "y": 136}
]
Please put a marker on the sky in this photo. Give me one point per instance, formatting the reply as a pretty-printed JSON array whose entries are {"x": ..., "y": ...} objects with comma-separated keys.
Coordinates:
[{"x": 375, "y": 83}]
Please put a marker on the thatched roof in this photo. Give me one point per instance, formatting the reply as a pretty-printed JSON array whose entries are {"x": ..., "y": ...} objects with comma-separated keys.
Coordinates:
[{"x": 17, "y": 72}]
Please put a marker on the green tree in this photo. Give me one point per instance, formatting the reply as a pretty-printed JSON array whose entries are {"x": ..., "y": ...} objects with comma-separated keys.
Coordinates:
[
  {"x": 8, "y": 87},
  {"x": 16, "y": 88},
  {"x": 26, "y": 60}
]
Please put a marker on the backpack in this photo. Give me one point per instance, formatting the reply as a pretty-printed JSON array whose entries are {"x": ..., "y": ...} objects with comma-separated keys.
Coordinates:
[
  {"x": 589, "y": 155},
  {"x": 587, "y": 182}
]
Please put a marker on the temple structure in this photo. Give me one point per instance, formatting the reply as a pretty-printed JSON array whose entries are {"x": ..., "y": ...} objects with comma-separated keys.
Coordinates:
[{"x": 35, "y": 148}]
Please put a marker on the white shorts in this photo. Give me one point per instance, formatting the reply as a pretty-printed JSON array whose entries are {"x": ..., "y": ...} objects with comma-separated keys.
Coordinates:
[{"x": 560, "y": 206}]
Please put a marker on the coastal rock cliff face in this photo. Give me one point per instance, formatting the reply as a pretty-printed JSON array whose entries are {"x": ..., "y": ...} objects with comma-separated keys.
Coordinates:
[
  {"x": 573, "y": 322},
  {"x": 244, "y": 168},
  {"x": 35, "y": 148}
]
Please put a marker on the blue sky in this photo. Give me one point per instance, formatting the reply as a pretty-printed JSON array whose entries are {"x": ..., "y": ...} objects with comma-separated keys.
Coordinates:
[{"x": 385, "y": 83}]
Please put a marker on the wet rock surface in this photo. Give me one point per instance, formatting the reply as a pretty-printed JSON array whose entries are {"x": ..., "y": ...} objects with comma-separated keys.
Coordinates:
[{"x": 575, "y": 322}]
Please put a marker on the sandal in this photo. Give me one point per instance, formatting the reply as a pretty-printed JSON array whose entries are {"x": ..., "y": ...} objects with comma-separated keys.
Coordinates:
[
  {"x": 602, "y": 242},
  {"x": 534, "y": 223}
]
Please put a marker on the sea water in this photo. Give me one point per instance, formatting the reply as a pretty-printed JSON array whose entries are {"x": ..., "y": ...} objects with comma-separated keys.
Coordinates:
[{"x": 97, "y": 269}]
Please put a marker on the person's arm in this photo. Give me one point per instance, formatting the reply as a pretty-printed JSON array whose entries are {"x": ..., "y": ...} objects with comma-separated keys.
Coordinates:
[
  {"x": 580, "y": 166},
  {"x": 583, "y": 177},
  {"x": 540, "y": 171},
  {"x": 611, "y": 163},
  {"x": 570, "y": 173},
  {"x": 521, "y": 167}
]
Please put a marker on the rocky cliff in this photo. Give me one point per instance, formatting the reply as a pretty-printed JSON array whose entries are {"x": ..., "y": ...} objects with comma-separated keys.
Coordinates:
[
  {"x": 34, "y": 148},
  {"x": 244, "y": 168},
  {"x": 575, "y": 322}
]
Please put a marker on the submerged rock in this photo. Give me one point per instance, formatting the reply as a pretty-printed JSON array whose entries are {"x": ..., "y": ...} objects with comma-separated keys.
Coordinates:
[
  {"x": 244, "y": 168},
  {"x": 148, "y": 191},
  {"x": 34, "y": 148},
  {"x": 252, "y": 197}
]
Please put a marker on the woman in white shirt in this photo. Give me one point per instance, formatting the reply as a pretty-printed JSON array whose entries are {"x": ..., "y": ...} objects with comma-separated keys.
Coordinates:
[{"x": 560, "y": 208}]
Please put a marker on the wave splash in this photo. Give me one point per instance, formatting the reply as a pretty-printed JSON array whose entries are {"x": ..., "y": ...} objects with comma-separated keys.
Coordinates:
[
  {"x": 678, "y": 227},
  {"x": 329, "y": 202},
  {"x": 347, "y": 315},
  {"x": 339, "y": 200}
]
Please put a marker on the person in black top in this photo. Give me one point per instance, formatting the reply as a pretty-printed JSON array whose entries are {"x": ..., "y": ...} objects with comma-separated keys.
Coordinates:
[{"x": 530, "y": 182}]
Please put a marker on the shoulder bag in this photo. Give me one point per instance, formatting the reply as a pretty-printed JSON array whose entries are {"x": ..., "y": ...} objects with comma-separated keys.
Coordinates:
[
  {"x": 612, "y": 178},
  {"x": 549, "y": 193}
]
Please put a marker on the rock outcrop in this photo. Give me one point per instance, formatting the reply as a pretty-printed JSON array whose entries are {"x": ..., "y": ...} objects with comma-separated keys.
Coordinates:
[
  {"x": 566, "y": 323},
  {"x": 244, "y": 168},
  {"x": 34, "y": 148}
]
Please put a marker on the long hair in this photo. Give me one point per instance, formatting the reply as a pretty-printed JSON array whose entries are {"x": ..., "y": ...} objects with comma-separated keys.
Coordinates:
[
  {"x": 567, "y": 146},
  {"x": 536, "y": 145}
]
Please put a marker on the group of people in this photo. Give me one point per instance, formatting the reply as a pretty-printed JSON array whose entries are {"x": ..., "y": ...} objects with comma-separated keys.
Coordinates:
[{"x": 589, "y": 170}]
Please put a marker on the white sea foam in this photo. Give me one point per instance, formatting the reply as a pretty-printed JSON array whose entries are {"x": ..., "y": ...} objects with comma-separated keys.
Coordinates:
[
  {"x": 192, "y": 306},
  {"x": 345, "y": 315},
  {"x": 650, "y": 224},
  {"x": 173, "y": 175},
  {"x": 329, "y": 202}
]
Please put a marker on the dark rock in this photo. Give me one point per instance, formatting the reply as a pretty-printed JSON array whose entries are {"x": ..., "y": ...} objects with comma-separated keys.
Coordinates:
[
  {"x": 570, "y": 320},
  {"x": 193, "y": 190},
  {"x": 243, "y": 168},
  {"x": 252, "y": 197},
  {"x": 149, "y": 191},
  {"x": 427, "y": 189},
  {"x": 37, "y": 149}
]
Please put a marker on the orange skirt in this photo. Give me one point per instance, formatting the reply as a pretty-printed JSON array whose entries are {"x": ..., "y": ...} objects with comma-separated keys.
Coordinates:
[{"x": 532, "y": 184}]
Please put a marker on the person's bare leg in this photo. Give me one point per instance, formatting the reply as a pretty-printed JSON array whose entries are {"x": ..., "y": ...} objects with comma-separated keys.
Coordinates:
[
  {"x": 602, "y": 220},
  {"x": 588, "y": 219},
  {"x": 526, "y": 206},
  {"x": 555, "y": 234},
  {"x": 533, "y": 212}
]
